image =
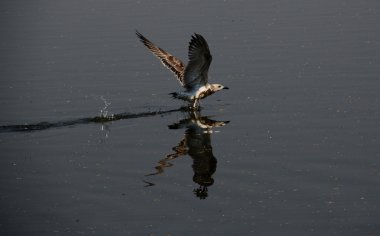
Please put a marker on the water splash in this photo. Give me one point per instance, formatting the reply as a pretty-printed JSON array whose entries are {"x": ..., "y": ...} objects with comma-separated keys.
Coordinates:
[
  {"x": 104, "y": 111},
  {"x": 106, "y": 129}
]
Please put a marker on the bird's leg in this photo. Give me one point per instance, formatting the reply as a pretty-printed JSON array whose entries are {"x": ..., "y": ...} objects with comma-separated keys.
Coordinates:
[
  {"x": 192, "y": 105},
  {"x": 195, "y": 105}
]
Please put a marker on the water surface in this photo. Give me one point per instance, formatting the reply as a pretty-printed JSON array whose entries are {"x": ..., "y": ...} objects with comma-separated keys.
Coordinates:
[{"x": 291, "y": 149}]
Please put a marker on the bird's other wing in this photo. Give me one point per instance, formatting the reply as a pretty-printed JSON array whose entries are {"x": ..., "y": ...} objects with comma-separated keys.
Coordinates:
[
  {"x": 172, "y": 63},
  {"x": 199, "y": 62}
]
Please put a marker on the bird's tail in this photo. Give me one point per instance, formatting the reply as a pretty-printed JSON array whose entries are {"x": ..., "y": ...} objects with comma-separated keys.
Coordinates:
[
  {"x": 176, "y": 95},
  {"x": 179, "y": 95}
]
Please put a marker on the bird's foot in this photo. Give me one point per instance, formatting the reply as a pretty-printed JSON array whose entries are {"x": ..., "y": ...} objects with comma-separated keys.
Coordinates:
[{"x": 194, "y": 108}]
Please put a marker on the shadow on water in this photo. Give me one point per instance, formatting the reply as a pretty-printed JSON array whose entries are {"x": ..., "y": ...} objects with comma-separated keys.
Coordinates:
[
  {"x": 97, "y": 119},
  {"x": 197, "y": 144}
]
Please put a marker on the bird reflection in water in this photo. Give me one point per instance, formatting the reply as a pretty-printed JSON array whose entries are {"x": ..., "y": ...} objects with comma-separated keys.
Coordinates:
[{"x": 197, "y": 144}]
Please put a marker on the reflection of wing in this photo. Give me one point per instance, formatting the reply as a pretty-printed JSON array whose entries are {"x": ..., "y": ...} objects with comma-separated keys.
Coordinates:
[
  {"x": 198, "y": 140},
  {"x": 172, "y": 63},
  {"x": 196, "y": 143},
  {"x": 199, "y": 62},
  {"x": 179, "y": 150}
]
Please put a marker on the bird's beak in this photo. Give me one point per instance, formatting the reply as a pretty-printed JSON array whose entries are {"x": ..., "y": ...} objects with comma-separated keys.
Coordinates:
[{"x": 226, "y": 88}]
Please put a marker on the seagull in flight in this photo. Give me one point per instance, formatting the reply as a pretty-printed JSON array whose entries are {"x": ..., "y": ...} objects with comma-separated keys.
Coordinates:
[{"x": 194, "y": 76}]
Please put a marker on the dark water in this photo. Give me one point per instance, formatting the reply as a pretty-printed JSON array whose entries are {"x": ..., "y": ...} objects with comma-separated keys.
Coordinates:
[{"x": 300, "y": 154}]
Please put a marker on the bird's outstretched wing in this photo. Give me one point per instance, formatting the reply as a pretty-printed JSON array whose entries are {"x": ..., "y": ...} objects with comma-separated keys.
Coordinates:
[
  {"x": 199, "y": 62},
  {"x": 172, "y": 63}
]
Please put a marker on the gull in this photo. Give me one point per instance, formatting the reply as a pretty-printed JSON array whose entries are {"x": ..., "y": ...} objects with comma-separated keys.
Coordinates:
[{"x": 194, "y": 76}]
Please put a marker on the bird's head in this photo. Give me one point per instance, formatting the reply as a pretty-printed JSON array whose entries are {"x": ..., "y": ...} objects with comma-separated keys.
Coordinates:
[{"x": 217, "y": 87}]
